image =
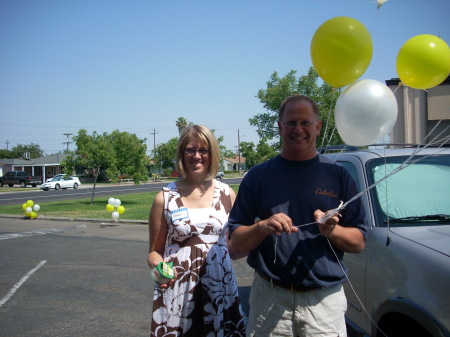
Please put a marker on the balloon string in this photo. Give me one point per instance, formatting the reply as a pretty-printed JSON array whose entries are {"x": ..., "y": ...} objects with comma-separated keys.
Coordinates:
[
  {"x": 404, "y": 165},
  {"x": 353, "y": 289},
  {"x": 333, "y": 98}
]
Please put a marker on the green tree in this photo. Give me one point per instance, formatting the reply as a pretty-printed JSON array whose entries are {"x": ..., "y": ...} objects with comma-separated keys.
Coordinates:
[
  {"x": 94, "y": 153},
  {"x": 165, "y": 153},
  {"x": 115, "y": 153},
  {"x": 278, "y": 88},
  {"x": 8, "y": 154},
  {"x": 129, "y": 157},
  {"x": 256, "y": 155},
  {"x": 182, "y": 123},
  {"x": 34, "y": 150},
  {"x": 69, "y": 163}
]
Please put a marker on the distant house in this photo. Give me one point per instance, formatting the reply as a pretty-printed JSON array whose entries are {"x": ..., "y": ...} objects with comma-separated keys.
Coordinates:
[
  {"x": 237, "y": 163},
  {"x": 46, "y": 166}
]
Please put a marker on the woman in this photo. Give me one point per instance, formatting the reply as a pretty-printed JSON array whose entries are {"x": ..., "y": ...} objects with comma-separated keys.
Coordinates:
[{"x": 186, "y": 224}]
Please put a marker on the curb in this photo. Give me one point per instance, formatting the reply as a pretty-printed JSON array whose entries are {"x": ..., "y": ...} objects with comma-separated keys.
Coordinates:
[{"x": 134, "y": 222}]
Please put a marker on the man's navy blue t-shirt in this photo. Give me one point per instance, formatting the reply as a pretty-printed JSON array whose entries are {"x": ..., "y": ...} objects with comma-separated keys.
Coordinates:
[{"x": 297, "y": 188}]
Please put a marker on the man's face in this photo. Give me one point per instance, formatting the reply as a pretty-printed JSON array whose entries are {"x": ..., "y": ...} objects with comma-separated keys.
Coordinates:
[{"x": 299, "y": 129}]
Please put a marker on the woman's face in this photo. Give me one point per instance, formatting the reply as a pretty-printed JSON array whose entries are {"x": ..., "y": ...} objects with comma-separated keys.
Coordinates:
[{"x": 196, "y": 157}]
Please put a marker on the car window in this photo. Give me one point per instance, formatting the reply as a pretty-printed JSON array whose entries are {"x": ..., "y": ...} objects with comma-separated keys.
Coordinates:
[
  {"x": 352, "y": 169},
  {"x": 420, "y": 189}
]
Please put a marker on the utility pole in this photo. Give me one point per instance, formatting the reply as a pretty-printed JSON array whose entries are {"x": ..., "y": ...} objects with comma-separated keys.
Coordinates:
[
  {"x": 67, "y": 142},
  {"x": 154, "y": 139},
  {"x": 154, "y": 133},
  {"x": 239, "y": 153},
  {"x": 7, "y": 144}
]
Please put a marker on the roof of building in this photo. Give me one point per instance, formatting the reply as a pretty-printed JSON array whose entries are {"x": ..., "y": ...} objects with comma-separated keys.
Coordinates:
[
  {"x": 54, "y": 159},
  {"x": 236, "y": 159}
]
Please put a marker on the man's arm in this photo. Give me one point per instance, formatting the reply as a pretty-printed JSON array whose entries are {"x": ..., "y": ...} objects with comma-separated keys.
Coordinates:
[
  {"x": 247, "y": 238},
  {"x": 347, "y": 239}
]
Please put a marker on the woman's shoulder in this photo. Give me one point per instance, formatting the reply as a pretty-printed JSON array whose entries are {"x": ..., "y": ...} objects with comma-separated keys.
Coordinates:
[
  {"x": 221, "y": 185},
  {"x": 172, "y": 186}
]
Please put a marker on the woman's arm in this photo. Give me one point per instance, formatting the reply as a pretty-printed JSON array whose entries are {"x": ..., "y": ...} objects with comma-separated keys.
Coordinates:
[{"x": 157, "y": 234}]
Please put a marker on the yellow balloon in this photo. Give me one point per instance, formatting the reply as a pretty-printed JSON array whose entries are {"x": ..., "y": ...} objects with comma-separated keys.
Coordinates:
[
  {"x": 120, "y": 209},
  {"x": 341, "y": 50},
  {"x": 30, "y": 203},
  {"x": 24, "y": 206},
  {"x": 33, "y": 215},
  {"x": 109, "y": 208},
  {"x": 423, "y": 61}
]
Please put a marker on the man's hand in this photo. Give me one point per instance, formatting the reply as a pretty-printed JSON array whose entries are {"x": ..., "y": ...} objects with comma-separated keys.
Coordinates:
[
  {"x": 326, "y": 221},
  {"x": 277, "y": 224}
]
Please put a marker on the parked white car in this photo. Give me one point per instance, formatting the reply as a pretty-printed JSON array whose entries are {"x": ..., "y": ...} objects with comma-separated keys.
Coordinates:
[
  {"x": 62, "y": 181},
  {"x": 62, "y": 175}
]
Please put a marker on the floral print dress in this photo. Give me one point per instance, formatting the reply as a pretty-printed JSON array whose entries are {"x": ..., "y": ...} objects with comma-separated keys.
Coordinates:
[{"x": 204, "y": 300}]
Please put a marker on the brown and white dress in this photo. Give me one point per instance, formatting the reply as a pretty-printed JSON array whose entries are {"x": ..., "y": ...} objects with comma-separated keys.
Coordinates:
[{"x": 204, "y": 300}]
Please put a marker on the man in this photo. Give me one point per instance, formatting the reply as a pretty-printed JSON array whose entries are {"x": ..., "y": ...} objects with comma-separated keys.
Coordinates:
[{"x": 297, "y": 290}]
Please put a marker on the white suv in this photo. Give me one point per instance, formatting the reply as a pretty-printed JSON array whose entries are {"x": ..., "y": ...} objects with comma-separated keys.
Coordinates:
[{"x": 401, "y": 280}]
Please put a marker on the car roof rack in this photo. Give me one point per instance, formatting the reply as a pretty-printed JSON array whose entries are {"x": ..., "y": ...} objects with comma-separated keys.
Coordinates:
[
  {"x": 349, "y": 148},
  {"x": 337, "y": 148},
  {"x": 408, "y": 145}
]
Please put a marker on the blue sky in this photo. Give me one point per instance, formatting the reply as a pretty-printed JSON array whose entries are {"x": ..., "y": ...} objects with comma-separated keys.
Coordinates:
[{"x": 136, "y": 65}]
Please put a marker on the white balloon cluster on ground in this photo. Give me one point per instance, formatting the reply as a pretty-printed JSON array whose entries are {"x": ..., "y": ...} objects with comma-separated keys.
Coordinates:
[{"x": 114, "y": 206}]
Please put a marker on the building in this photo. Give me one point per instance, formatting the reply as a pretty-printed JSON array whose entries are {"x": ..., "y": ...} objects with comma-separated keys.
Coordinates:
[
  {"x": 237, "y": 163},
  {"x": 46, "y": 166},
  {"x": 423, "y": 115}
]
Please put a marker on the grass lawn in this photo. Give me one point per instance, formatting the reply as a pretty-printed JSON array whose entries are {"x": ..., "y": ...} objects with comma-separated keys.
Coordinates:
[{"x": 137, "y": 207}]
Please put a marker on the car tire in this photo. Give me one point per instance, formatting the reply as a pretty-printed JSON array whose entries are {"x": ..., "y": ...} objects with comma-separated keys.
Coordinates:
[
  {"x": 10, "y": 185},
  {"x": 57, "y": 187},
  {"x": 75, "y": 186}
]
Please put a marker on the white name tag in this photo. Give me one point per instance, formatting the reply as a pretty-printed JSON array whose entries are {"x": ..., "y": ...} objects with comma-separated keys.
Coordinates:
[{"x": 178, "y": 214}]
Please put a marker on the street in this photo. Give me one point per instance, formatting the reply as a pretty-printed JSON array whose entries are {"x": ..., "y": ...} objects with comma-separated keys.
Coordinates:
[
  {"x": 65, "y": 278},
  {"x": 84, "y": 192}
]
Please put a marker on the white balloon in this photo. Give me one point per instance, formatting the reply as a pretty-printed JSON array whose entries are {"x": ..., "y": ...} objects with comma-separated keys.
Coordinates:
[
  {"x": 111, "y": 201},
  {"x": 365, "y": 112},
  {"x": 115, "y": 215},
  {"x": 117, "y": 203},
  {"x": 36, "y": 207},
  {"x": 28, "y": 210}
]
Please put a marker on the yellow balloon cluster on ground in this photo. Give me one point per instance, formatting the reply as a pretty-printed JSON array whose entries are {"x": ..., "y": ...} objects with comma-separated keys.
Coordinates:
[
  {"x": 31, "y": 209},
  {"x": 114, "y": 206}
]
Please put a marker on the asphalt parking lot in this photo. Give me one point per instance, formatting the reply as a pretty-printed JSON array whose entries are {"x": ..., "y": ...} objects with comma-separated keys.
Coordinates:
[{"x": 66, "y": 278}]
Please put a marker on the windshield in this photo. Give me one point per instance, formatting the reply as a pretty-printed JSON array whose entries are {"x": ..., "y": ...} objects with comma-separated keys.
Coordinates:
[{"x": 415, "y": 192}]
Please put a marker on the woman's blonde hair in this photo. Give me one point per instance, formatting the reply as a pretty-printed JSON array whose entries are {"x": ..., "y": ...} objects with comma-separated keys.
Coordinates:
[{"x": 205, "y": 136}]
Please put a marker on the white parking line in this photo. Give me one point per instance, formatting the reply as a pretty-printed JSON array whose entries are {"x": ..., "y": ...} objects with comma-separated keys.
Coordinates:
[
  {"x": 39, "y": 232},
  {"x": 18, "y": 284}
]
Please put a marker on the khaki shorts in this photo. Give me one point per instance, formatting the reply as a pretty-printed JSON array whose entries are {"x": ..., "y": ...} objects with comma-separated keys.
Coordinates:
[{"x": 276, "y": 311}]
